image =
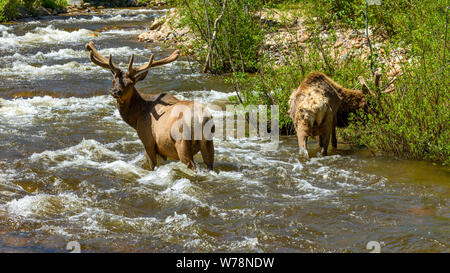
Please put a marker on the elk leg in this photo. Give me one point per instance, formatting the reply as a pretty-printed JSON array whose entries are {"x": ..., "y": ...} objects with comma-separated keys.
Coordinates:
[
  {"x": 302, "y": 139},
  {"x": 184, "y": 151},
  {"x": 333, "y": 133},
  {"x": 163, "y": 157},
  {"x": 207, "y": 150},
  {"x": 324, "y": 140},
  {"x": 150, "y": 153},
  {"x": 149, "y": 145}
]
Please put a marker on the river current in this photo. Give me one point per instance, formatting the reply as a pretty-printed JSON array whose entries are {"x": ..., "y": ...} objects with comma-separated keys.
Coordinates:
[{"x": 72, "y": 170}]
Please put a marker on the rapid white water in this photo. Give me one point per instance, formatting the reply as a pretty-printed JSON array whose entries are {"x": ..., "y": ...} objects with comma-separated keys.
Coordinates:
[
  {"x": 44, "y": 35},
  {"x": 71, "y": 169}
]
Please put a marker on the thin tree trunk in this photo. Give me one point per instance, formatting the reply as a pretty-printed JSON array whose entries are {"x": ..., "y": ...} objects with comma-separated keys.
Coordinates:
[
  {"x": 322, "y": 52},
  {"x": 368, "y": 39},
  {"x": 214, "y": 36},
  {"x": 208, "y": 30},
  {"x": 204, "y": 35},
  {"x": 207, "y": 19},
  {"x": 444, "y": 63},
  {"x": 233, "y": 19}
]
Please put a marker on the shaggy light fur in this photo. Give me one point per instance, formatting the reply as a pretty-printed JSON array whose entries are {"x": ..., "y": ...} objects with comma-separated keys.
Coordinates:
[{"x": 318, "y": 106}]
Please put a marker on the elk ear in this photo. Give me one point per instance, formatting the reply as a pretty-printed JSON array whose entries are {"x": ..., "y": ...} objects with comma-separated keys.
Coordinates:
[{"x": 141, "y": 76}]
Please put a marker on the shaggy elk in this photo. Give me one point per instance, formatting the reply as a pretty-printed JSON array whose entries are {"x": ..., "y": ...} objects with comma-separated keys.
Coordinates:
[
  {"x": 163, "y": 123},
  {"x": 318, "y": 106}
]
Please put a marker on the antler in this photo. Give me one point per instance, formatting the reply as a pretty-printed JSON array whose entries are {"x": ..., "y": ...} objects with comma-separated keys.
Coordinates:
[
  {"x": 364, "y": 88},
  {"x": 133, "y": 71},
  {"x": 100, "y": 60}
]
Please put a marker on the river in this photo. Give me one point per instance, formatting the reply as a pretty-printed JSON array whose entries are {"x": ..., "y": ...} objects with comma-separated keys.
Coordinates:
[{"x": 72, "y": 170}]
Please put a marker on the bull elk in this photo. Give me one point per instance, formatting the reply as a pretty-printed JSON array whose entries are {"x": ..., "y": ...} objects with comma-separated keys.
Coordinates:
[
  {"x": 157, "y": 118},
  {"x": 319, "y": 105}
]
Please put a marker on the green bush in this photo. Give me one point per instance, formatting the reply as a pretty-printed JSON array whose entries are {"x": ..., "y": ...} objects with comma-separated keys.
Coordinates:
[
  {"x": 274, "y": 84},
  {"x": 411, "y": 121},
  {"x": 53, "y": 4},
  {"x": 30, "y": 5},
  {"x": 8, "y": 9},
  {"x": 238, "y": 33}
]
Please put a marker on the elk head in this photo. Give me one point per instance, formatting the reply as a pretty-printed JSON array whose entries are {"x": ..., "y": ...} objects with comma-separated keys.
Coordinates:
[{"x": 124, "y": 81}]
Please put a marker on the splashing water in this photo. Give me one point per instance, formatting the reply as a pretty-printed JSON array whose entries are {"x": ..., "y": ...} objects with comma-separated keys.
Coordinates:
[{"x": 71, "y": 169}]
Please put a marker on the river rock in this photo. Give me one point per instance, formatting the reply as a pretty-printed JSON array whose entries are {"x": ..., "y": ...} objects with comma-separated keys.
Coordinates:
[
  {"x": 339, "y": 43},
  {"x": 41, "y": 11},
  {"x": 157, "y": 23},
  {"x": 357, "y": 45},
  {"x": 151, "y": 36}
]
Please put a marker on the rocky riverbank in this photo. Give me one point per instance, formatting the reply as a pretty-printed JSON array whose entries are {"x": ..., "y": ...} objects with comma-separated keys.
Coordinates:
[
  {"x": 289, "y": 32},
  {"x": 168, "y": 30}
]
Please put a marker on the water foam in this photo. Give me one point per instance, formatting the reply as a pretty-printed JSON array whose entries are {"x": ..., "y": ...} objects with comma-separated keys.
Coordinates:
[
  {"x": 27, "y": 71},
  {"x": 22, "y": 111},
  {"x": 206, "y": 96},
  {"x": 44, "y": 205},
  {"x": 179, "y": 190},
  {"x": 45, "y": 35},
  {"x": 88, "y": 152},
  {"x": 122, "y": 32},
  {"x": 180, "y": 220},
  {"x": 4, "y": 28},
  {"x": 98, "y": 18},
  {"x": 162, "y": 175},
  {"x": 135, "y": 11},
  {"x": 62, "y": 54},
  {"x": 103, "y": 19},
  {"x": 251, "y": 243}
]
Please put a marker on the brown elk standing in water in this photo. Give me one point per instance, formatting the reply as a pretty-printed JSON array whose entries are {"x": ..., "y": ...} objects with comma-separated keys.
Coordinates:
[
  {"x": 319, "y": 105},
  {"x": 158, "y": 118}
]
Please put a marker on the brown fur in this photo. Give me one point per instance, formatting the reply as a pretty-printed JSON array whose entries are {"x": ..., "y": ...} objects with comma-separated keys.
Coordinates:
[
  {"x": 318, "y": 106},
  {"x": 154, "y": 116}
]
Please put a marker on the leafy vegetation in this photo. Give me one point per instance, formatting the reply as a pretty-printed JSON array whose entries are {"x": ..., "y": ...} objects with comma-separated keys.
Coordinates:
[
  {"x": 410, "y": 121},
  {"x": 128, "y": 3},
  {"x": 9, "y": 9},
  {"x": 53, "y": 4},
  {"x": 229, "y": 34}
]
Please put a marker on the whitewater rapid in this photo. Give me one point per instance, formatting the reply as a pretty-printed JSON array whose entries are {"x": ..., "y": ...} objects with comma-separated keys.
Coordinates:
[{"x": 71, "y": 169}]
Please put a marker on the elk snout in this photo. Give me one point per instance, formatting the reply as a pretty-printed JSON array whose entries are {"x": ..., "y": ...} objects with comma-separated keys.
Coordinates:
[{"x": 116, "y": 93}]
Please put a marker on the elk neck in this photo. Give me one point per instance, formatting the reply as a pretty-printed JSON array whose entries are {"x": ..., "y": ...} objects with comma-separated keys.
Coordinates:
[
  {"x": 131, "y": 109},
  {"x": 352, "y": 100}
]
